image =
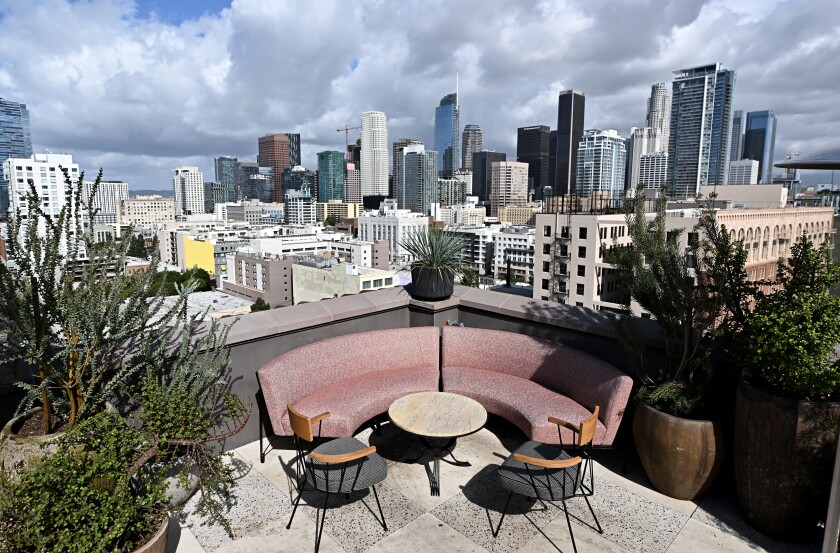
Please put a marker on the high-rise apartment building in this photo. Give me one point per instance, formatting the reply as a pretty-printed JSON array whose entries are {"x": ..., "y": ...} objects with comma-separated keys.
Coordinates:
[
  {"x": 482, "y": 174},
  {"x": 294, "y": 149},
  {"x": 374, "y": 154},
  {"x": 508, "y": 185},
  {"x": 15, "y": 141},
  {"x": 570, "y": 111},
  {"x": 421, "y": 179},
  {"x": 109, "y": 196},
  {"x": 701, "y": 117},
  {"x": 354, "y": 153},
  {"x": 147, "y": 211},
  {"x": 471, "y": 142},
  {"x": 466, "y": 176},
  {"x": 451, "y": 192},
  {"x": 653, "y": 170},
  {"x": 736, "y": 141},
  {"x": 397, "y": 184},
  {"x": 273, "y": 151},
  {"x": 642, "y": 141},
  {"x": 447, "y": 132},
  {"x": 401, "y": 193},
  {"x": 760, "y": 142},
  {"x": 188, "y": 190},
  {"x": 532, "y": 148},
  {"x": 659, "y": 115},
  {"x": 352, "y": 184},
  {"x": 331, "y": 166},
  {"x": 601, "y": 163},
  {"x": 214, "y": 193},
  {"x": 254, "y": 181},
  {"x": 226, "y": 175},
  {"x": 743, "y": 171},
  {"x": 299, "y": 208}
]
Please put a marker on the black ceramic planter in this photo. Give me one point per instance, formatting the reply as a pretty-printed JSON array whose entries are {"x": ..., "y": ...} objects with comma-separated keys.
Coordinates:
[{"x": 430, "y": 284}]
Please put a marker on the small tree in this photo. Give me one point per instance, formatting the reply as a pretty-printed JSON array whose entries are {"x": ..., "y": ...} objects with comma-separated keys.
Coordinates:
[
  {"x": 260, "y": 305},
  {"x": 331, "y": 221},
  {"x": 137, "y": 247}
]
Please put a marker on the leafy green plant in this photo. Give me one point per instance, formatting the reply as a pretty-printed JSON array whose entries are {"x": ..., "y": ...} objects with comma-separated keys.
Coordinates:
[
  {"x": 661, "y": 276},
  {"x": 470, "y": 278},
  {"x": 89, "y": 496},
  {"x": 68, "y": 310},
  {"x": 793, "y": 329},
  {"x": 260, "y": 305},
  {"x": 433, "y": 248},
  {"x": 186, "y": 406}
]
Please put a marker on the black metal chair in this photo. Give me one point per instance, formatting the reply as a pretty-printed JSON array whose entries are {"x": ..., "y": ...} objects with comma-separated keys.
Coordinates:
[
  {"x": 342, "y": 465},
  {"x": 549, "y": 473}
]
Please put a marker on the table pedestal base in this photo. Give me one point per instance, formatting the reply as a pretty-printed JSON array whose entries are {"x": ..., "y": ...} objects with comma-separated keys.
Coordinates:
[{"x": 440, "y": 448}]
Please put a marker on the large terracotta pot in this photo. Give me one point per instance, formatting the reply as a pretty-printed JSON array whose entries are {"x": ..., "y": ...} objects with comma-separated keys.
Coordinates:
[
  {"x": 681, "y": 457},
  {"x": 158, "y": 542},
  {"x": 784, "y": 453},
  {"x": 431, "y": 284},
  {"x": 18, "y": 452}
]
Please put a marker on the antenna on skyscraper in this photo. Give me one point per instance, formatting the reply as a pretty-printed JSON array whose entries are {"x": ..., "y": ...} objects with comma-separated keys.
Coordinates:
[{"x": 457, "y": 97}]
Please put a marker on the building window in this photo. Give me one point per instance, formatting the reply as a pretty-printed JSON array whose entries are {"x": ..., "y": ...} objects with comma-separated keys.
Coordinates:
[
  {"x": 389, "y": 281},
  {"x": 377, "y": 283},
  {"x": 547, "y": 248},
  {"x": 366, "y": 285},
  {"x": 546, "y": 266},
  {"x": 581, "y": 270},
  {"x": 545, "y": 284},
  {"x": 579, "y": 290},
  {"x": 546, "y": 230},
  {"x": 582, "y": 233},
  {"x": 581, "y": 252}
]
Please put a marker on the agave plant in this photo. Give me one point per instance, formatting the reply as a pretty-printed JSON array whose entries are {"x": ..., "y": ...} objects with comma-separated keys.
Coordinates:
[{"x": 433, "y": 248}]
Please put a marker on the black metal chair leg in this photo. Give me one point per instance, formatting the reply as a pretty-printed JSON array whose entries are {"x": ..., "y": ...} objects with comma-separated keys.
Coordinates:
[
  {"x": 381, "y": 514},
  {"x": 294, "y": 509},
  {"x": 504, "y": 512},
  {"x": 598, "y": 524},
  {"x": 262, "y": 451},
  {"x": 569, "y": 522},
  {"x": 319, "y": 529}
]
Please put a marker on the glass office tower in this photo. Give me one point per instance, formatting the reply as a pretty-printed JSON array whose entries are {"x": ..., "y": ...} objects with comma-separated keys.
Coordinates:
[
  {"x": 760, "y": 142},
  {"x": 447, "y": 135},
  {"x": 15, "y": 141}
]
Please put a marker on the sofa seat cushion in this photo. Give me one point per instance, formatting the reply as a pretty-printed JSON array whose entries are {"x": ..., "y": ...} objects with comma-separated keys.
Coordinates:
[
  {"x": 523, "y": 402},
  {"x": 354, "y": 401}
]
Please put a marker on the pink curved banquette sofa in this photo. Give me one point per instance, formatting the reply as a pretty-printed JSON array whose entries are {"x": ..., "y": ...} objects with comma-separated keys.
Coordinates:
[{"x": 356, "y": 377}]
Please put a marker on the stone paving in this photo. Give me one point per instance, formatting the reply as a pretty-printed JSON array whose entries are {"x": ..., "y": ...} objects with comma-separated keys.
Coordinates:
[{"x": 633, "y": 515}]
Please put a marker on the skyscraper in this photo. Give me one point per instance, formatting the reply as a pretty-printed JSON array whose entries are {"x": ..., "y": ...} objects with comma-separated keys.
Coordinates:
[
  {"x": 481, "y": 165},
  {"x": 400, "y": 192},
  {"x": 736, "y": 141},
  {"x": 532, "y": 148},
  {"x": 188, "y": 189},
  {"x": 226, "y": 175},
  {"x": 15, "y": 141},
  {"x": 294, "y": 149},
  {"x": 397, "y": 179},
  {"x": 508, "y": 185},
  {"x": 471, "y": 142},
  {"x": 642, "y": 141},
  {"x": 374, "y": 154},
  {"x": 331, "y": 165},
  {"x": 760, "y": 142},
  {"x": 421, "y": 179},
  {"x": 653, "y": 168},
  {"x": 659, "y": 115},
  {"x": 701, "y": 117},
  {"x": 352, "y": 184},
  {"x": 255, "y": 181},
  {"x": 570, "y": 112},
  {"x": 109, "y": 195},
  {"x": 447, "y": 131},
  {"x": 600, "y": 164},
  {"x": 273, "y": 151}
]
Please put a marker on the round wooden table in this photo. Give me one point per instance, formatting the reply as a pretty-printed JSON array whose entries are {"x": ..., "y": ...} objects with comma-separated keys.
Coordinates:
[{"x": 438, "y": 418}]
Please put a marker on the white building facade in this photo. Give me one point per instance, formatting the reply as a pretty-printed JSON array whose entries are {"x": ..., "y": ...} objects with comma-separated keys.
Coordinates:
[
  {"x": 601, "y": 163},
  {"x": 147, "y": 211},
  {"x": 508, "y": 185},
  {"x": 391, "y": 224},
  {"x": 743, "y": 171},
  {"x": 188, "y": 190},
  {"x": 374, "y": 154}
]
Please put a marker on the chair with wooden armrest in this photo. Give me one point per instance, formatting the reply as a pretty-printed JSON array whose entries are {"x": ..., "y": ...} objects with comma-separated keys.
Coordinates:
[
  {"x": 342, "y": 465},
  {"x": 549, "y": 473}
]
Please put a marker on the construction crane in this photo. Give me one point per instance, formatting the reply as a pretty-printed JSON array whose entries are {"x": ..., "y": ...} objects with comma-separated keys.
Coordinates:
[{"x": 347, "y": 130}]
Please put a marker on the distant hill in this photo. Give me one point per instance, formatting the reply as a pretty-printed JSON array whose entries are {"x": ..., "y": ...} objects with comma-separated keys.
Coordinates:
[{"x": 149, "y": 191}]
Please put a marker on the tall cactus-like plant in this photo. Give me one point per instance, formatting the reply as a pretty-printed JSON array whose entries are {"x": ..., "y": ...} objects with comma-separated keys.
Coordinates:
[{"x": 68, "y": 309}]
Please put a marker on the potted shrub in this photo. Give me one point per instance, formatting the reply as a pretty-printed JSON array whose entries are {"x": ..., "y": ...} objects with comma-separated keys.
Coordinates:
[
  {"x": 680, "y": 448},
  {"x": 72, "y": 318},
  {"x": 88, "y": 496},
  {"x": 435, "y": 260},
  {"x": 787, "y": 412}
]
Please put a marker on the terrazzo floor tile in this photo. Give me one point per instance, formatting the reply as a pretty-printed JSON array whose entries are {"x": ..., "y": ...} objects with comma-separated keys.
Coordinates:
[
  {"x": 631, "y": 520},
  {"x": 554, "y": 537},
  {"x": 427, "y": 534},
  {"x": 637, "y": 481},
  {"x": 412, "y": 481},
  {"x": 278, "y": 467},
  {"x": 472, "y": 512},
  {"x": 275, "y": 538},
  {"x": 484, "y": 448},
  {"x": 354, "y": 522},
  {"x": 257, "y": 504},
  {"x": 696, "y": 537}
]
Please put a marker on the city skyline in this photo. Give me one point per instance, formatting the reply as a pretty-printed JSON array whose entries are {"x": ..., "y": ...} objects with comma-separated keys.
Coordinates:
[{"x": 128, "y": 113}]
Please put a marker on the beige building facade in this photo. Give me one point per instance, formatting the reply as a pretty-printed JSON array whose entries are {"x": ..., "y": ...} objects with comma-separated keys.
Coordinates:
[{"x": 146, "y": 211}]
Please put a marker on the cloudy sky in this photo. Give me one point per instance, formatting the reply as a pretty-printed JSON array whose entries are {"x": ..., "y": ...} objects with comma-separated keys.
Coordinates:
[{"x": 140, "y": 87}]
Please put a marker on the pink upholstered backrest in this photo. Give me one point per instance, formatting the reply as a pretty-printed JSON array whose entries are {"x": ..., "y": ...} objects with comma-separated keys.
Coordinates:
[
  {"x": 292, "y": 376},
  {"x": 584, "y": 378}
]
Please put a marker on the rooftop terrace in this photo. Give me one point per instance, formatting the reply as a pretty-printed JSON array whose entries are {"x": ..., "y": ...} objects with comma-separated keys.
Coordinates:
[{"x": 634, "y": 516}]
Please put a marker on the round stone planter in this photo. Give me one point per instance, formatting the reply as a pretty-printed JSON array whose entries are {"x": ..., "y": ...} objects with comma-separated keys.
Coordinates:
[
  {"x": 158, "y": 542},
  {"x": 18, "y": 452},
  {"x": 784, "y": 454},
  {"x": 430, "y": 284},
  {"x": 176, "y": 492},
  {"x": 681, "y": 457}
]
